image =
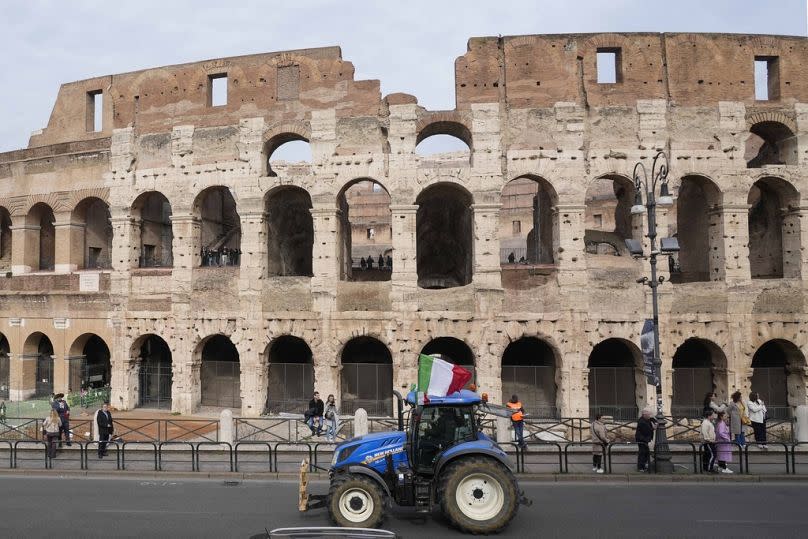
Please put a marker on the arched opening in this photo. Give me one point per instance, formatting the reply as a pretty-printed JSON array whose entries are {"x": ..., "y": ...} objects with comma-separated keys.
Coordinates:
[
  {"x": 90, "y": 366},
  {"x": 367, "y": 377},
  {"x": 286, "y": 151},
  {"x": 42, "y": 235},
  {"x": 5, "y": 240},
  {"x": 454, "y": 351},
  {"x": 365, "y": 228},
  {"x": 95, "y": 238},
  {"x": 38, "y": 360},
  {"x": 5, "y": 367},
  {"x": 608, "y": 218},
  {"x": 774, "y": 230},
  {"x": 290, "y": 232},
  {"x": 698, "y": 229},
  {"x": 291, "y": 375},
  {"x": 778, "y": 377},
  {"x": 529, "y": 371},
  {"x": 770, "y": 143},
  {"x": 155, "y": 373},
  {"x": 699, "y": 367},
  {"x": 444, "y": 236},
  {"x": 614, "y": 380},
  {"x": 221, "y": 373},
  {"x": 219, "y": 227},
  {"x": 444, "y": 142},
  {"x": 152, "y": 211}
]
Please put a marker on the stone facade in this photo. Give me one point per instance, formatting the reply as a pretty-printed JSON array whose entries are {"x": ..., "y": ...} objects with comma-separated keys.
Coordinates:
[{"x": 527, "y": 106}]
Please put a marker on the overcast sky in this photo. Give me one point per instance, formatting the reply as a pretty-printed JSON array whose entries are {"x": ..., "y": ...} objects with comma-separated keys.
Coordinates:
[{"x": 410, "y": 46}]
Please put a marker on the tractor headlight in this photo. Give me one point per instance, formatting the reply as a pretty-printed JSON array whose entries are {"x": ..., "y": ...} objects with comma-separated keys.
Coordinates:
[{"x": 343, "y": 454}]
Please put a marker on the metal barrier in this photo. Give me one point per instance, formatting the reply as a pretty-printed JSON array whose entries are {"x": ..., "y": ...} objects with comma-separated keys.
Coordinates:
[
  {"x": 524, "y": 453},
  {"x": 250, "y": 429},
  {"x": 576, "y": 444},
  {"x": 29, "y": 429},
  {"x": 135, "y": 444},
  {"x": 10, "y": 453},
  {"x": 693, "y": 452},
  {"x": 292, "y": 444},
  {"x": 116, "y": 445},
  {"x": 135, "y": 429},
  {"x": 35, "y": 442},
  {"x": 766, "y": 452},
  {"x": 214, "y": 444},
  {"x": 76, "y": 427},
  {"x": 262, "y": 444},
  {"x": 739, "y": 447},
  {"x": 315, "y": 462},
  {"x": 161, "y": 460},
  {"x": 610, "y": 451},
  {"x": 61, "y": 461},
  {"x": 199, "y": 428},
  {"x": 794, "y": 452}
]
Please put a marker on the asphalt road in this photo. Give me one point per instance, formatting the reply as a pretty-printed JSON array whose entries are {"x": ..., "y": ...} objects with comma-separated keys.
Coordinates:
[{"x": 113, "y": 507}]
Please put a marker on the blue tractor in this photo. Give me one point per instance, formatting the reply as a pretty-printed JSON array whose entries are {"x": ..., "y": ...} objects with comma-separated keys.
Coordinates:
[{"x": 443, "y": 459}]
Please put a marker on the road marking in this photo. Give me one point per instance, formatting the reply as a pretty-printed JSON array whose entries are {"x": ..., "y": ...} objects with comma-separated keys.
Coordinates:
[
  {"x": 768, "y": 522},
  {"x": 149, "y": 511}
]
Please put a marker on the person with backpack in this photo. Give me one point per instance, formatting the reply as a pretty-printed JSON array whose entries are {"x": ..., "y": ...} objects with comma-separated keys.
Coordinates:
[
  {"x": 51, "y": 428},
  {"x": 63, "y": 409},
  {"x": 314, "y": 414}
]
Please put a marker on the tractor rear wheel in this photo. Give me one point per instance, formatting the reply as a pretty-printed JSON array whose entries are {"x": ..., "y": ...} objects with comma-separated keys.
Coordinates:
[
  {"x": 478, "y": 495},
  {"x": 356, "y": 501}
]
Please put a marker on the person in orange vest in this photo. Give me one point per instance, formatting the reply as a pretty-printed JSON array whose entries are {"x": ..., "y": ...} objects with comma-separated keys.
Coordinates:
[{"x": 517, "y": 419}]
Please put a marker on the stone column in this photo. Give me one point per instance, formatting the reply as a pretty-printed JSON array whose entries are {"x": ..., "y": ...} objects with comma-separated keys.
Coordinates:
[
  {"x": 254, "y": 383},
  {"x": 405, "y": 272},
  {"x": 69, "y": 243},
  {"x": 486, "y": 246},
  {"x": 326, "y": 257},
  {"x": 794, "y": 231},
  {"x": 735, "y": 224},
  {"x": 24, "y": 247},
  {"x": 22, "y": 377},
  {"x": 326, "y": 371},
  {"x": 716, "y": 243},
  {"x": 125, "y": 241},
  {"x": 253, "y": 260},
  {"x": 184, "y": 247}
]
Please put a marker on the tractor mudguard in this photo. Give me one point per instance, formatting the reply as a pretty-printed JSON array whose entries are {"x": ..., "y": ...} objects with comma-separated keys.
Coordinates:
[
  {"x": 370, "y": 472},
  {"x": 493, "y": 452}
]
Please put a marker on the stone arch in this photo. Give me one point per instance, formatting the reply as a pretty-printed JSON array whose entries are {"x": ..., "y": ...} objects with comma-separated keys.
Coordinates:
[
  {"x": 219, "y": 231},
  {"x": 607, "y": 215},
  {"x": 528, "y": 223},
  {"x": 774, "y": 229},
  {"x": 453, "y": 350},
  {"x": 770, "y": 142},
  {"x": 366, "y": 376},
  {"x": 291, "y": 374},
  {"x": 90, "y": 365},
  {"x": 5, "y": 367},
  {"x": 5, "y": 239},
  {"x": 152, "y": 214},
  {"x": 368, "y": 233},
  {"x": 37, "y": 355},
  {"x": 616, "y": 380},
  {"x": 153, "y": 358},
  {"x": 220, "y": 372},
  {"x": 279, "y": 136},
  {"x": 699, "y": 367},
  {"x": 778, "y": 376},
  {"x": 289, "y": 231},
  {"x": 450, "y": 140},
  {"x": 94, "y": 236},
  {"x": 447, "y": 123},
  {"x": 531, "y": 369},
  {"x": 444, "y": 236},
  {"x": 40, "y": 238},
  {"x": 699, "y": 229}
]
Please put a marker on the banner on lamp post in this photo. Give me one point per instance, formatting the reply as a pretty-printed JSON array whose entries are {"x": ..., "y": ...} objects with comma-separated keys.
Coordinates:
[{"x": 647, "y": 347}]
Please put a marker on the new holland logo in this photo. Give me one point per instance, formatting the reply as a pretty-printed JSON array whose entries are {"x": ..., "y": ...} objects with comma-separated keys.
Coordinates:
[{"x": 380, "y": 455}]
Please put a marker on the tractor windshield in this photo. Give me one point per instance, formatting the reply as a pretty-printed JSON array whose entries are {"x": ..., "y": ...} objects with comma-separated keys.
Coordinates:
[{"x": 440, "y": 427}]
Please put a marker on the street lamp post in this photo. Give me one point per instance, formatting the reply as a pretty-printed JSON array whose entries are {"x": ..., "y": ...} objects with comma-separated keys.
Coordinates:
[{"x": 659, "y": 175}]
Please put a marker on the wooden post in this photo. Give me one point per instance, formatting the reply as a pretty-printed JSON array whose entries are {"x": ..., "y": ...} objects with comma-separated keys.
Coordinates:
[{"x": 303, "y": 501}]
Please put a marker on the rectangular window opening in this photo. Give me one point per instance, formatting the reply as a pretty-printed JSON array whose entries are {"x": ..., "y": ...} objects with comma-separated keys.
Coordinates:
[
  {"x": 609, "y": 66},
  {"x": 371, "y": 233},
  {"x": 598, "y": 218},
  {"x": 767, "y": 78},
  {"x": 95, "y": 111},
  {"x": 217, "y": 90},
  {"x": 517, "y": 227}
]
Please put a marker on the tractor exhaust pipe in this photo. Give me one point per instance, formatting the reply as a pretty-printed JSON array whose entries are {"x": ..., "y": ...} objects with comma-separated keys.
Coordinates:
[{"x": 399, "y": 410}]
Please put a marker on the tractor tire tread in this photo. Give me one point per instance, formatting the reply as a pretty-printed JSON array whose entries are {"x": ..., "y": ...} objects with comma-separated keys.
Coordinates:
[{"x": 380, "y": 500}]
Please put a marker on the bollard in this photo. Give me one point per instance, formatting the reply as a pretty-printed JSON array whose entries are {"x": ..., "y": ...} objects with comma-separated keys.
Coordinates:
[
  {"x": 360, "y": 422},
  {"x": 226, "y": 426},
  {"x": 504, "y": 430},
  {"x": 801, "y": 416}
]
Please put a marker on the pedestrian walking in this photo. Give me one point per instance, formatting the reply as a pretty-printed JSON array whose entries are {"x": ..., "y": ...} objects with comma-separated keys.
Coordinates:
[
  {"x": 314, "y": 414},
  {"x": 51, "y": 428},
  {"x": 600, "y": 439},
  {"x": 517, "y": 420},
  {"x": 62, "y": 408},
  {"x": 106, "y": 428},
  {"x": 646, "y": 425},
  {"x": 757, "y": 415},
  {"x": 331, "y": 417},
  {"x": 708, "y": 449},
  {"x": 723, "y": 443},
  {"x": 737, "y": 411}
]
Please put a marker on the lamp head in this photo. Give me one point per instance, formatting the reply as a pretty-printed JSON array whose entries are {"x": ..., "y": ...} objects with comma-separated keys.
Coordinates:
[
  {"x": 665, "y": 198},
  {"x": 637, "y": 208}
]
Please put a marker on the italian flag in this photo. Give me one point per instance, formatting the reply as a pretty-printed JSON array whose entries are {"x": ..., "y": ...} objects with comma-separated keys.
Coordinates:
[{"x": 439, "y": 378}]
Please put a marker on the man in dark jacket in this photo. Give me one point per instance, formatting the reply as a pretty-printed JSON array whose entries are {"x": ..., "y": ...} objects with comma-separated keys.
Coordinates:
[
  {"x": 646, "y": 425},
  {"x": 62, "y": 408},
  {"x": 315, "y": 414},
  {"x": 105, "y": 429}
]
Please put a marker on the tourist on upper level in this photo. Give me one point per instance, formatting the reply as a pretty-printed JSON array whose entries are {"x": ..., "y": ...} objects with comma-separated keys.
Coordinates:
[
  {"x": 389, "y": 262},
  {"x": 381, "y": 261},
  {"x": 723, "y": 443},
  {"x": 757, "y": 415},
  {"x": 370, "y": 262}
]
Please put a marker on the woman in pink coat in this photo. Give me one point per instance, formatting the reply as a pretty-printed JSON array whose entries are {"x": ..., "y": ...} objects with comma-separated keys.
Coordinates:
[{"x": 723, "y": 442}]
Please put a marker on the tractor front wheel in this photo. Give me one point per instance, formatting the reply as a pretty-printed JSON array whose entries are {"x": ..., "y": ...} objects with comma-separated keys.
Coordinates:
[
  {"x": 478, "y": 495},
  {"x": 356, "y": 501}
]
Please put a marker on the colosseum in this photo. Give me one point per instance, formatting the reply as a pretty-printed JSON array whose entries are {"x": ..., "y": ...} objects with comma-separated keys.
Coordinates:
[{"x": 153, "y": 240}]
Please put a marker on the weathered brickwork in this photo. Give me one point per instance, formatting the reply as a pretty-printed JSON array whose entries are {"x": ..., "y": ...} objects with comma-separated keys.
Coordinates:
[{"x": 527, "y": 106}]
